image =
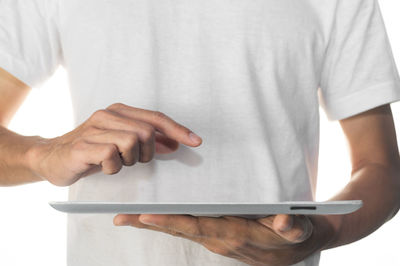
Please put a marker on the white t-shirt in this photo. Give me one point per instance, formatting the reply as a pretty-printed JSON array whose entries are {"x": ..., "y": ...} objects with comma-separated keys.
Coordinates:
[{"x": 247, "y": 76}]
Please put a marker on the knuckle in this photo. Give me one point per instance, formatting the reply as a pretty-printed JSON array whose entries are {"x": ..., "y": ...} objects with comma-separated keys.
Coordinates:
[
  {"x": 110, "y": 151},
  {"x": 115, "y": 106},
  {"x": 131, "y": 140},
  {"x": 159, "y": 116},
  {"x": 148, "y": 134},
  {"x": 98, "y": 115}
]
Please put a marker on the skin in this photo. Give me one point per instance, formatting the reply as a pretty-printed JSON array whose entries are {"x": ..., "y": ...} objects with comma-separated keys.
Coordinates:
[
  {"x": 109, "y": 139},
  {"x": 120, "y": 136}
]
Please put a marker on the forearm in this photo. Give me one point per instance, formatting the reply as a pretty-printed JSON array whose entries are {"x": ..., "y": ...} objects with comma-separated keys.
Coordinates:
[
  {"x": 378, "y": 186},
  {"x": 14, "y": 165}
]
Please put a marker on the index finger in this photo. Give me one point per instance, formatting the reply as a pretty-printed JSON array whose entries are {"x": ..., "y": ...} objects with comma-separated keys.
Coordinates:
[{"x": 161, "y": 122}]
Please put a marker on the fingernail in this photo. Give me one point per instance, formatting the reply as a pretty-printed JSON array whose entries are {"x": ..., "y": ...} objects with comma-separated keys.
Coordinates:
[
  {"x": 146, "y": 220},
  {"x": 194, "y": 137},
  {"x": 148, "y": 223}
]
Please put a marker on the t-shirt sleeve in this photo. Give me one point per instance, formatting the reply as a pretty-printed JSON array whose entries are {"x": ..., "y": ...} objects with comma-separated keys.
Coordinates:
[
  {"x": 29, "y": 40},
  {"x": 359, "y": 72}
]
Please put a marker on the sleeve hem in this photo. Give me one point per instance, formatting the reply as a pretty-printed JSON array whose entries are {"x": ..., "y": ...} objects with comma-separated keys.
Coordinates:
[
  {"x": 17, "y": 68},
  {"x": 360, "y": 101}
]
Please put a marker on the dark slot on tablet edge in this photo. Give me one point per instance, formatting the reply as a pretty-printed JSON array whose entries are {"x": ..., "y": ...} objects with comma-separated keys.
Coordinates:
[{"x": 303, "y": 207}]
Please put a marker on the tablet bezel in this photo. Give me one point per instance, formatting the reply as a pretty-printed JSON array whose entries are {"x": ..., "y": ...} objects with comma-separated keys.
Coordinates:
[{"x": 211, "y": 209}]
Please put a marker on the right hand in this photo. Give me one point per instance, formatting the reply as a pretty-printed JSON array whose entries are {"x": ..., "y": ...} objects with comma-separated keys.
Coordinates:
[{"x": 116, "y": 136}]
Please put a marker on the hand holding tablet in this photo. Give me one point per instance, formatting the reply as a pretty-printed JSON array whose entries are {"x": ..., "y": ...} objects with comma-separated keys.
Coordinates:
[{"x": 211, "y": 209}]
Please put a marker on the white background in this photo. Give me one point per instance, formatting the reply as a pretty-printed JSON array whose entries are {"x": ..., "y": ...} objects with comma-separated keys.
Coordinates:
[{"x": 31, "y": 233}]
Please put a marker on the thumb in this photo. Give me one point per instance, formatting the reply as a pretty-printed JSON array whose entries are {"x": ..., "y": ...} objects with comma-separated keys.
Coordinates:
[{"x": 293, "y": 228}]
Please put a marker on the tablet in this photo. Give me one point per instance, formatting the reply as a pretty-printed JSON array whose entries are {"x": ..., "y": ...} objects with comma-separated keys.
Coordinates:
[{"x": 248, "y": 209}]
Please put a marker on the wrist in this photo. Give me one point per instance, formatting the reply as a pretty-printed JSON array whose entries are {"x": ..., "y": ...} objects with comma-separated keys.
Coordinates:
[{"x": 34, "y": 155}]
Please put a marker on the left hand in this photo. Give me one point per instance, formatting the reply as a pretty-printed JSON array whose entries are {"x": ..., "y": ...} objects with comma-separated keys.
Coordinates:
[{"x": 273, "y": 240}]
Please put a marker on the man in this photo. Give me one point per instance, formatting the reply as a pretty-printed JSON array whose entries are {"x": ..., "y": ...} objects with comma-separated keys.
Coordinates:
[{"x": 247, "y": 77}]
